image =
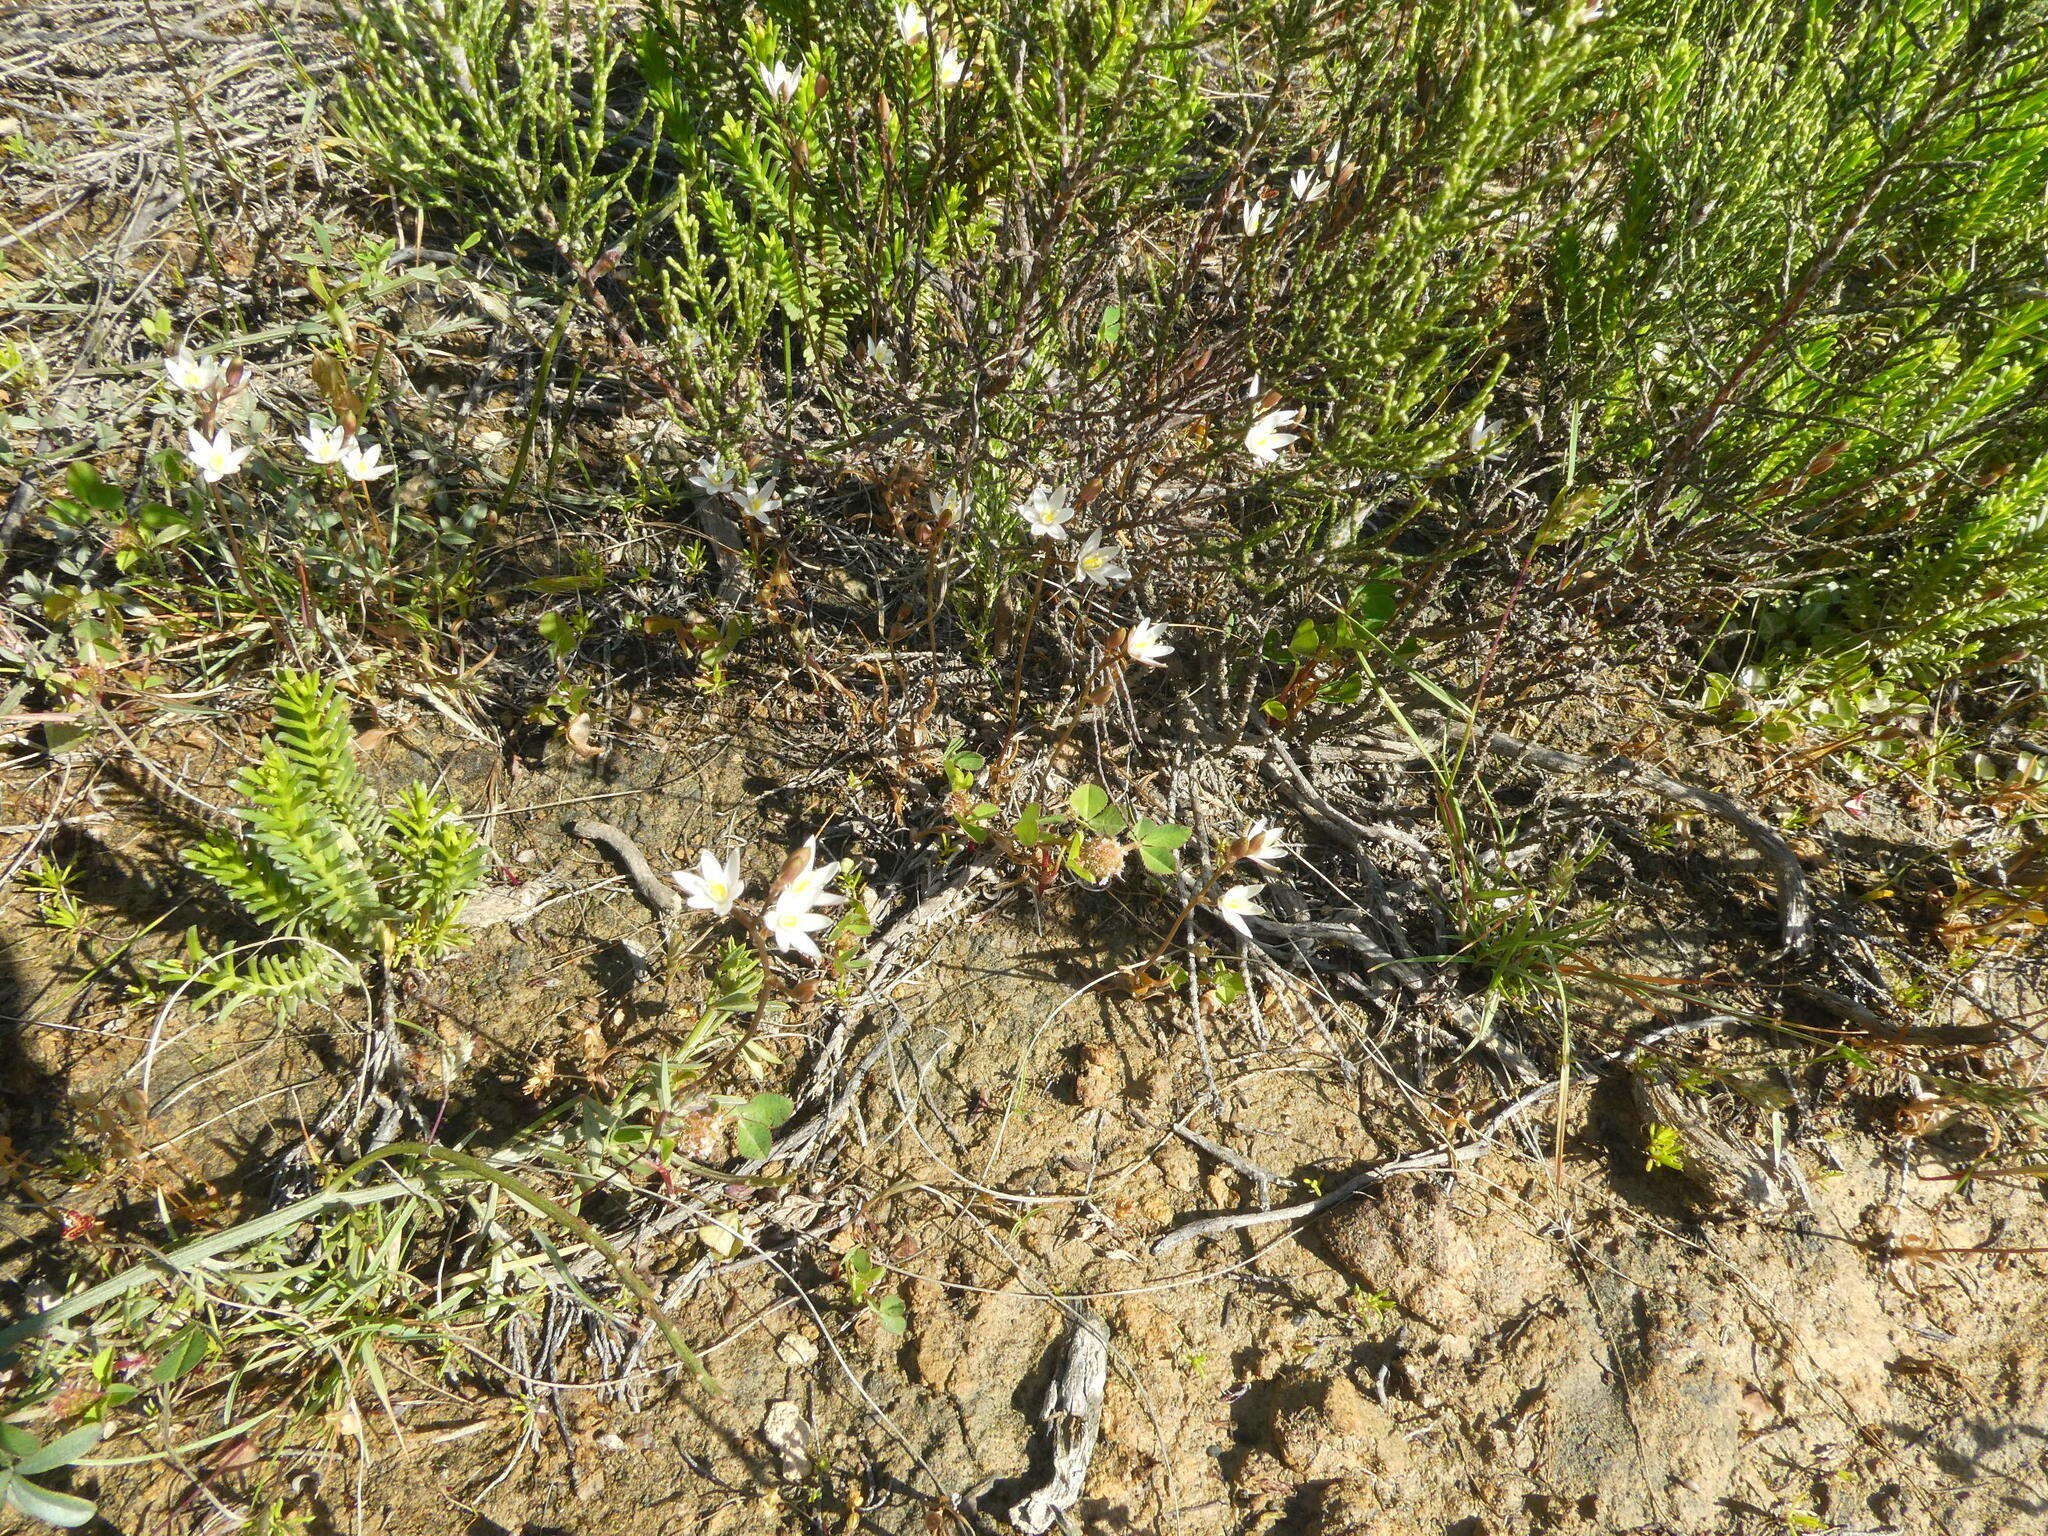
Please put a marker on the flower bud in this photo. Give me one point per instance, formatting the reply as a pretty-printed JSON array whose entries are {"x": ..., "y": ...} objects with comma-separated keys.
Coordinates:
[{"x": 1103, "y": 858}]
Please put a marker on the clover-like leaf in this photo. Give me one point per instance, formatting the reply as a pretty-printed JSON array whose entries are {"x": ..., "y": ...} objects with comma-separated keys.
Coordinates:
[
  {"x": 1158, "y": 843},
  {"x": 1091, "y": 806}
]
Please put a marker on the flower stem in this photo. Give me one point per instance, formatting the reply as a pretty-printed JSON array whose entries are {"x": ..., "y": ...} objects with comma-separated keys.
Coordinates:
[
  {"x": 1002, "y": 767},
  {"x": 1185, "y": 912}
]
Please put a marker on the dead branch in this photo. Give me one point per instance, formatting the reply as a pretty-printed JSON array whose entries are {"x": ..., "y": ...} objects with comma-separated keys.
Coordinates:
[
  {"x": 661, "y": 897},
  {"x": 1414, "y": 1162},
  {"x": 1071, "y": 1418},
  {"x": 1795, "y": 910}
]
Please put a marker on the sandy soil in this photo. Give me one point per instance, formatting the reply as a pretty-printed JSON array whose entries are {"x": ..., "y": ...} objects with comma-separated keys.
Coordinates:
[{"x": 1550, "y": 1339}]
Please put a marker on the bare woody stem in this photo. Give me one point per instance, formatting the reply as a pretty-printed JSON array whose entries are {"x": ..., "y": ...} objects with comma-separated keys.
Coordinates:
[
  {"x": 1002, "y": 767},
  {"x": 1186, "y": 911}
]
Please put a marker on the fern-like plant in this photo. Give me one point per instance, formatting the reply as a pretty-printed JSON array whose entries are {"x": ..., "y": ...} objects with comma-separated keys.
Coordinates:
[{"x": 340, "y": 881}]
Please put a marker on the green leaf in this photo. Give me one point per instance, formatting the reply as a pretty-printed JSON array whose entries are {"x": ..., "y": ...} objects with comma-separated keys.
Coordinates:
[
  {"x": 59, "y": 737},
  {"x": 84, "y": 482},
  {"x": 856, "y": 921},
  {"x": 561, "y": 632},
  {"x": 60, "y": 1452},
  {"x": 1091, "y": 806},
  {"x": 767, "y": 1109},
  {"x": 889, "y": 1313},
  {"x": 580, "y": 581},
  {"x": 47, "y": 1505},
  {"x": 1307, "y": 641},
  {"x": 185, "y": 1351},
  {"x": 1158, "y": 842},
  {"x": 1072, "y": 856},
  {"x": 755, "y": 1119},
  {"x": 1372, "y": 605},
  {"x": 861, "y": 1272},
  {"x": 1030, "y": 824}
]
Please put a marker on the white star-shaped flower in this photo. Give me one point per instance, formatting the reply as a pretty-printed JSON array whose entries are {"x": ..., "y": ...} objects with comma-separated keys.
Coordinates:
[
  {"x": 1145, "y": 643},
  {"x": 1261, "y": 844},
  {"x": 805, "y": 882},
  {"x": 714, "y": 887},
  {"x": 781, "y": 82},
  {"x": 910, "y": 23},
  {"x": 214, "y": 457},
  {"x": 791, "y": 925},
  {"x": 324, "y": 445},
  {"x": 714, "y": 478},
  {"x": 1047, "y": 512},
  {"x": 1101, "y": 563},
  {"x": 1267, "y": 438},
  {"x": 758, "y": 501},
  {"x": 193, "y": 375},
  {"x": 359, "y": 461},
  {"x": 1239, "y": 903}
]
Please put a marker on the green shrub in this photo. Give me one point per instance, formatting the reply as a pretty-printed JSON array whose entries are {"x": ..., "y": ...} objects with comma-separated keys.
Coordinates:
[
  {"x": 1742, "y": 303},
  {"x": 1804, "y": 322}
]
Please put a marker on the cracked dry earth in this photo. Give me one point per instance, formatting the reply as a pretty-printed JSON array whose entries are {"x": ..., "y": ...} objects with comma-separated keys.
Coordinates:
[
  {"x": 1549, "y": 1339},
  {"x": 1506, "y": 1350}
]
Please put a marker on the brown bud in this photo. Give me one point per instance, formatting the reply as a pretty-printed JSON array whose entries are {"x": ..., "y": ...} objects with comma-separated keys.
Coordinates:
[{"x": 794, "y": 865}]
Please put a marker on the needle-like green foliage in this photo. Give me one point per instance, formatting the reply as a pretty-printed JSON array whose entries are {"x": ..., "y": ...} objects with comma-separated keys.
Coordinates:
[{"x": 1723, "y": 308}]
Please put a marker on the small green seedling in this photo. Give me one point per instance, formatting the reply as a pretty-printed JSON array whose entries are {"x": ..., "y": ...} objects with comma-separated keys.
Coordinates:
[
  {"x": 1661, "y": 1149},
  {"x": 961, "y": 766},
  {"x": 57, "y": 904},
  {"x": 1370, "y": 1304},
  {"x": 863, "y": 1274}
]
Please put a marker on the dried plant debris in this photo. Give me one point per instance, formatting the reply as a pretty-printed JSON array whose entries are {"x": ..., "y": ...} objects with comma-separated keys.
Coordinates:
[{"x": 1069, "y": 1420}]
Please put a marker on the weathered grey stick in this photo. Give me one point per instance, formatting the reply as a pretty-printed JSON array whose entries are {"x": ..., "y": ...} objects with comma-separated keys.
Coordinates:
[
  {"x": 1071, "y": 1418},
  {"x": 662, "y": 897},
  {"x": 1795, "y": 911},
  {"x": 1414, "y": 1162}
]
